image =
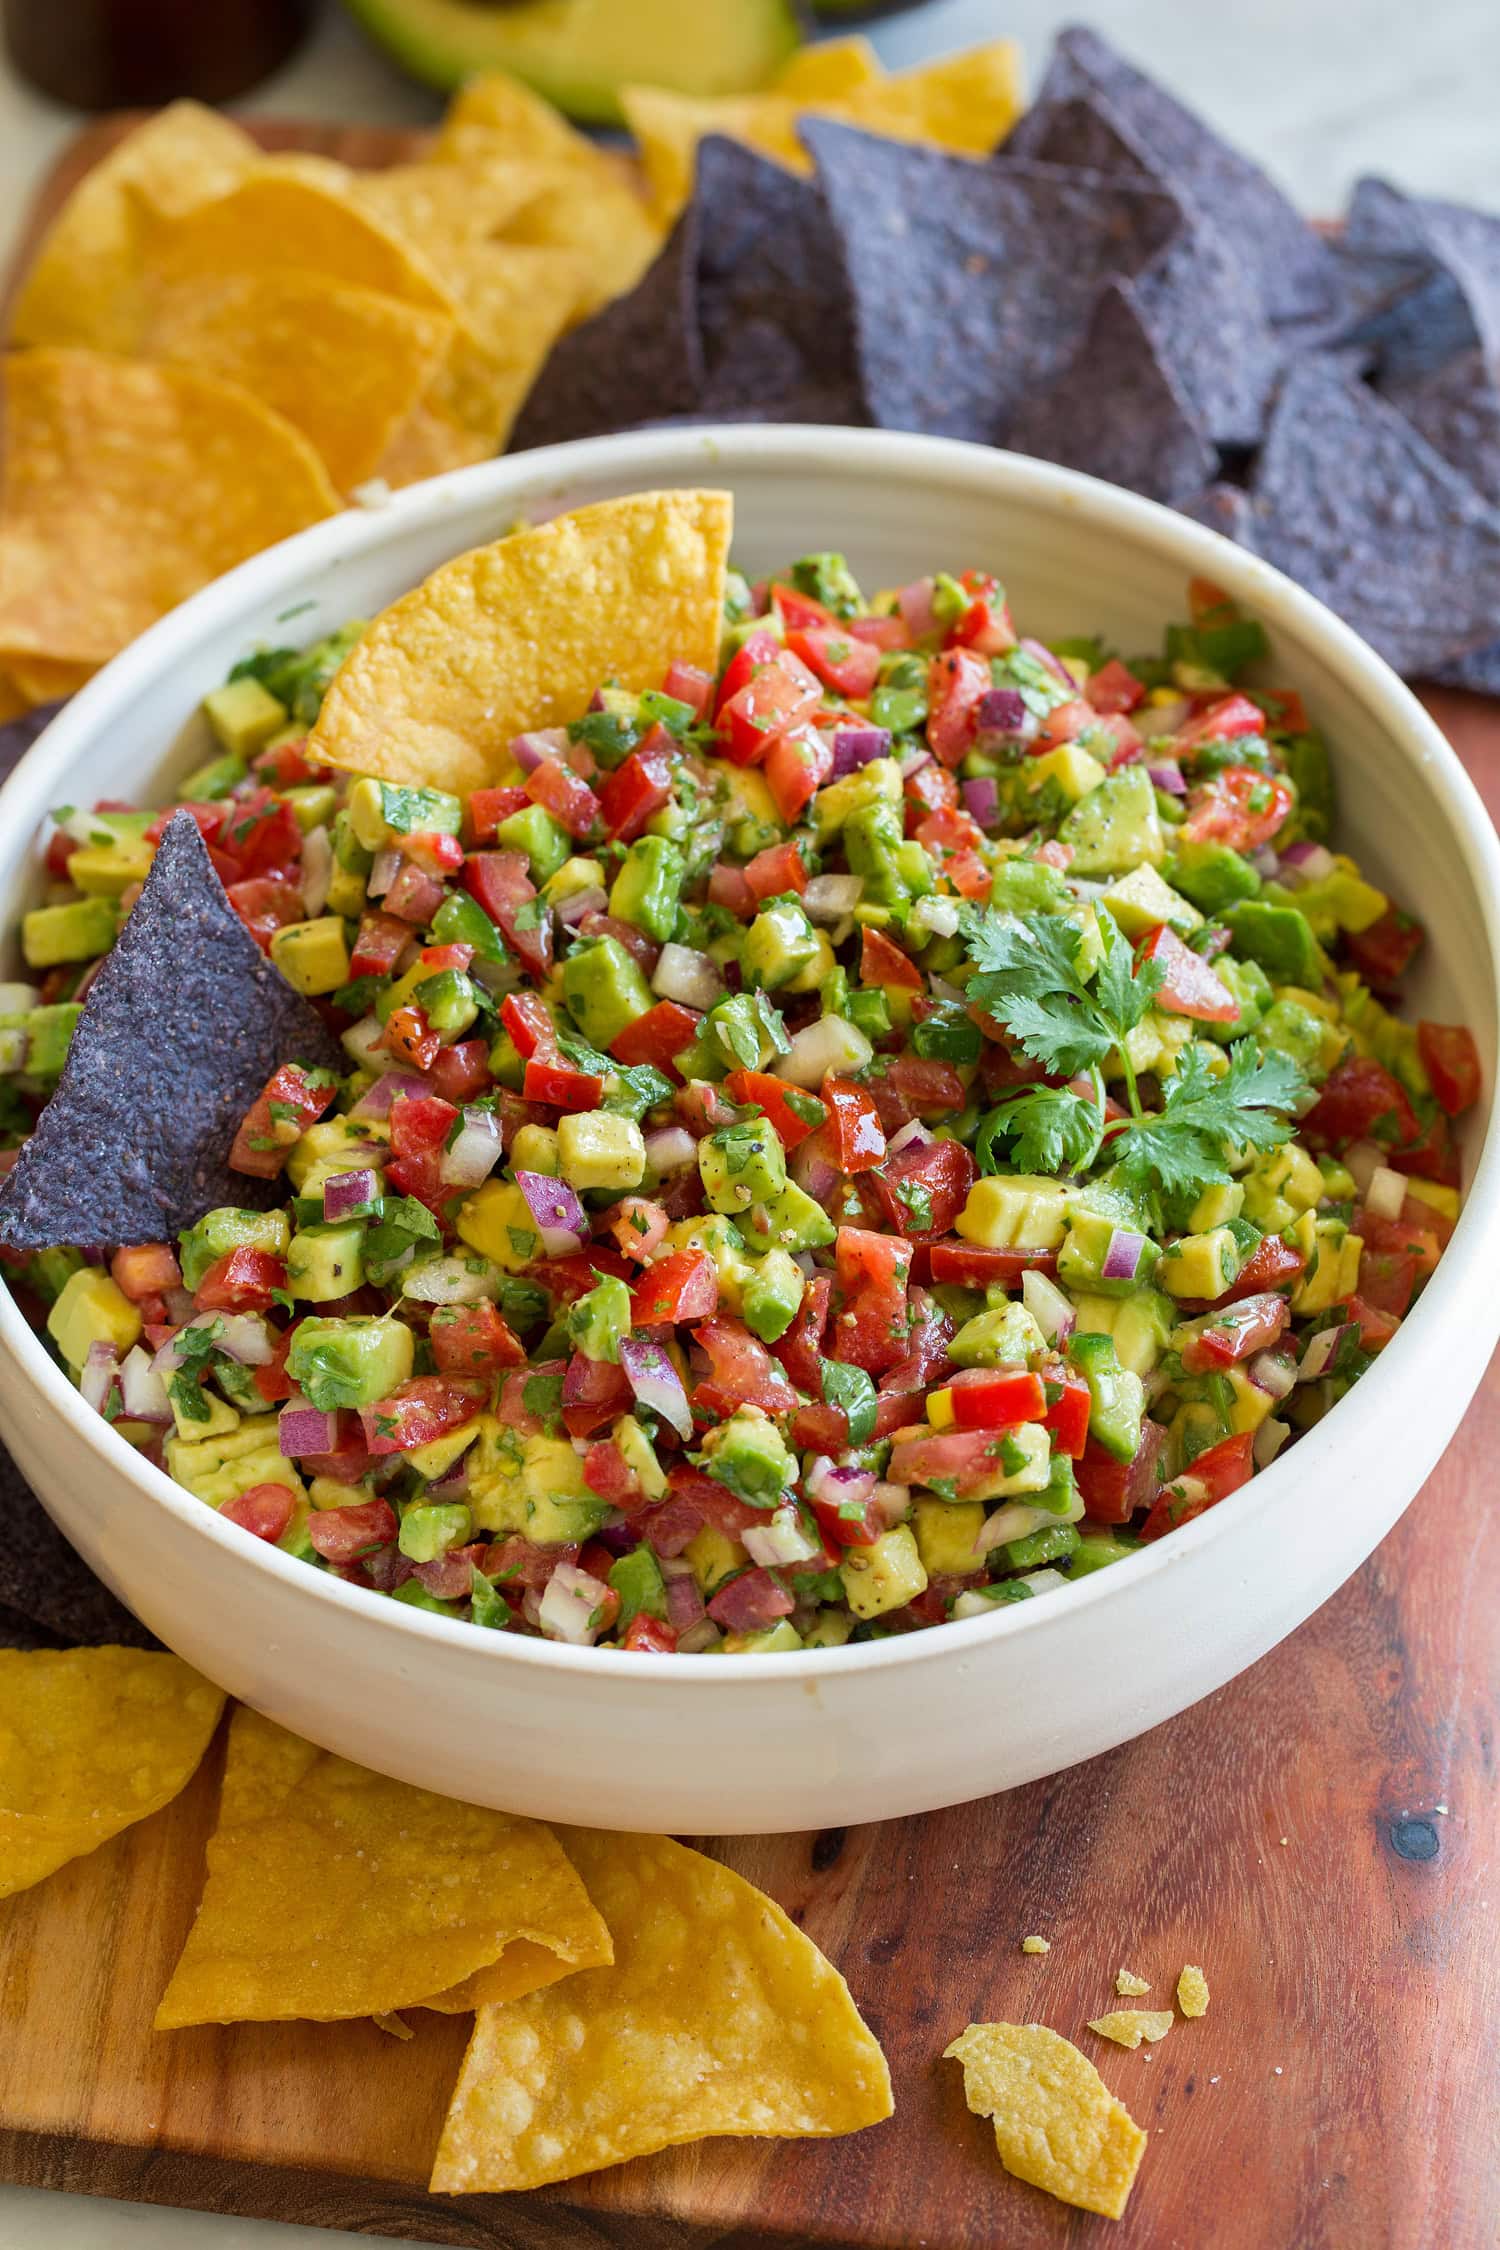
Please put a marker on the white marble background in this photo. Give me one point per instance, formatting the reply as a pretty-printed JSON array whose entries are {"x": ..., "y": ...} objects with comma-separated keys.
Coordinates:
[{"x": 1320, "y": 90}]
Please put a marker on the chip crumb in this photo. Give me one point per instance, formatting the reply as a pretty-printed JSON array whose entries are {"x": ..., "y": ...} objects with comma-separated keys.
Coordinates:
[
  {"x": 1129, "y": 1985},
  {"x": 396, "y": 2026},
  {"x": 1057, "y": 2125},
  {"x": 1129, "y": 2026},
  {"x": 1192, "y": 1992},
  {"x": 1036, "y": 1945}
]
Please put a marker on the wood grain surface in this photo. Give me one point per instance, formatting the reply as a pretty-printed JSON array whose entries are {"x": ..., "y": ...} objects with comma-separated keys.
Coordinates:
[{"x": 1321, "y": 1836}]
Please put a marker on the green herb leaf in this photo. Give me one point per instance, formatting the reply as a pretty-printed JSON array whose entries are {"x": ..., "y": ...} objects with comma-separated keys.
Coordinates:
[
  {"x": 1181, "y": 1148},
  {"x": 851, "y": 1389}
]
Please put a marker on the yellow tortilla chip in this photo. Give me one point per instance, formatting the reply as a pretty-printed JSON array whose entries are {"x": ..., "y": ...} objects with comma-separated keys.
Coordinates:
[
  {"x": 602, "y": 223},
  {"x": 281, "y": 217},
  {"x": 436, "y": 206},
  {"x": 520, "y": 634},
  {"x": 516, "y": 301},
  {"x": 1129, "y": 2026},
  {"x": 668, "y": 128},
  {"x": 529, "y": 126},
  {"x": 91, "y": 1741},
  {"x": 1057, "y": 2125},
  {"x": 828, "y": 71},
  {"x": 1192, "y": 1992},
  {"x": 1129, "y": 1985},
  {"x": 1036, "y": 1945},
  {"x": 37, "y": 679},
  {"x": 966, "y": 102},
  {"x": 12, "y": 701},
  {"x": 333, "y": 1892},
  {"x": 85, "y": 283},
  {"x": 129, "y": 486},
  {"x": 428, "y": 444},
  {"x": 345, "y": 366},
  {"x": 718, "y": 2016}
]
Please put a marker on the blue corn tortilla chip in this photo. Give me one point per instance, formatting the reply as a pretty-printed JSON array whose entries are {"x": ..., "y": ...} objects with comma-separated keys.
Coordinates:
[
  {"x": 49, "y": 1598},
  {"x": 1297, "y": 277},
  {"x": 1353, "y": 502},
  {"x": 1117, "y": 413},
  {"x": 17, "y": 735},
  {"x": 973, "y": 283},
  {"x": 1083, "y": 132},
  {"x": 1456, "y": 242},
  {"x": 1457, "y": 410},
  {"x": 1421, "y": 292},
  {"x": 183, "y": 1025}
]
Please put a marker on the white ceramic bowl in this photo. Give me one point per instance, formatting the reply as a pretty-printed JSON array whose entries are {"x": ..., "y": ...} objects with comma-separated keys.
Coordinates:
[{"x": 743, "y": 1744}]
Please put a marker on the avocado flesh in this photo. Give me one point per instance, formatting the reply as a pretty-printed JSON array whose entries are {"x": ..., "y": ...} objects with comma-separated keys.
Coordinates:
[{"x": 579, "y": 53}]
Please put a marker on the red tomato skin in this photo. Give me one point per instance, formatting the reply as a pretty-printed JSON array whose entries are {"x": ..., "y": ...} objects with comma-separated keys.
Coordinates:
[
  {"x": 957, "y": 679},
  {"x": 1068, "y": 1417},
  {"x": 881, "y": 961},
  {"x": 265, "y": 1510},
  {"x": 974, "y": 1266},
  {"x": 658, "y": 1035},
  {"x": 485, "y": 810},
  {"x": 1253, "y": 1324},
  {"x": 342, "y": 1535},
  {"x": 850, "y": 667},
  {"x": 420, "y": 1122},
  {"x": 501, "y": 884},
  {"x": 649, "y": 1636},
  {"x": 858, "y": 1138},
  {"x": 561, "y": 1086},
  {"x": 1240, "y": 806},
  {"x": 780, "y": 694},
  {"x": 1229, "y": 720},
  {"x": 638, "y": 788},
  {"x": 777, "y": 869},
  {"x": 1360, "y": 1100},
  {"x": 1384, "y": 951},
  {"x": 684, "y": 1286},
  {"x": 421, "y": 1410},
  {"x": 936, "y": 1180},
  {"x": 1273, "y": 1264},
  {"x": 763, "y": 1090},
  {"x": 291, "y": 1090},
  {"x": 1189, "y": 986},
  {"x": 1222, "y": 1469},
  {"x": 996, "y": 1398},
  {"x": 558, "y": 790},
  {"x": 1114, "y": 687},
  {"x": 473, "y": 1340},
  {"x": 757, "y": 649},
  {"x": 797, "y": 763},
  {"x": 800, "y": 1348},
  {"x": 462, "y": 1071},
  {"x": 243, "y": 1280},
  {"x": 381, "y": 937},
  {"x": 1451, "y": 1060}
]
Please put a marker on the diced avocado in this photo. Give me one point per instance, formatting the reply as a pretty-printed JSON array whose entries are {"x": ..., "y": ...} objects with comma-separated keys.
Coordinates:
[
  {"x": 1080, "y": 1261},
  {"x": 92, "y": 1309},
  {"x": 116, "y": 857},
  {"x": 49, "y": 1032},
  {"x": 313, "y": 804},
  {"x": 535, "y": 1486},
  {"x": 219, "y": 1469},
  {"x": 1155, "y": 1044},
  {"x": 1251, "y": 1403},
  {"x": 1377, "y": 1032},
  {"x": 326, "y": 1260},
  {"x": 1049, "y": 1544},
  {"x": 945, "y": 1533},
  {"x": 1140, "y": 901},
  {"x": 1115, "y": 826},
  {"x": 225, "y": 1229},
  {"x": 79, "y": 930},
  {"x": 1139, "y": 1326},
  {"x": 873, "y": 838},
  {"x": 791, "y": 1221},
  {"x": 449, "y": 1002},
  {"x": 814, "y": 972},
  {"x": 1098, "y": 1548},
  {"x": 768, "y": 1640},
  {"x": 1332, "y": 1270},
  {"x": 598, "y": 1319},
  {"x": 1117, "y": 1401},
  {"x": 779, "y": 943},
  {"x": 1283, "y": 1183},
  {"x": 218, "y": 778},
  {"x": 604, "y": 989},
  {"x": 1023, "y": 1212},
  {"x": 244, "y": 716},
  {"x": 1201, "y": 1265},
  {"x": 597, "y": 1149},
  {"x": 351, "y": 1362},
  {"x": 380, "y": 811},
  {"x": 773, "y": 1295},
  {"x": 417, "y": 1596},
  {"x": 713, "y": 1555},
  {"x": 742, "y": 1030},
  {"x": 573, "y": 876},
  {"x": 830, "y": 1628},
  {"x": 1212, "y": 875},
  {"x": 746, "y": 1454},
  {"x": 430, "y": 1529},
  {"x": 496, "y": 1220},
  {"x": 1431, "y": 1192},
  {"x": 1312, "y": 775},
  {"x": 327, "y": 1492},
  {"x": 312, "y": 956},
  {"x": 639, "y": 1454},
  {"x": 197, "y": 1413},
  {"x": 718, "y": 1238},
  {"x": 1340, "y": 900},
  {"x": 886, "y": 1576},
  {"x": 1006, "y": 1336},
  {"x": 535, "y": 1149},
  {"x": 1075, "y": 770},
  {"x": 638, "y": 1581},
  {"x": 1221, "y": 1201},
  {"x": 1278, "y": 937},
  {"x": 1249, "y": 988},
  {"x": 878, "y": 783},
  {"x": 742, "y": 1164},
  {"x": 437, "y": 1456},
  {"x": 648, "y": 889},
  {"x": 1023, "y": 1463},
  {"x": 544, "y": 840}
]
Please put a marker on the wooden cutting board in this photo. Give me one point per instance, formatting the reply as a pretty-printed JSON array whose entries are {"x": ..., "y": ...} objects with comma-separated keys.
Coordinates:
[{"x": 1321, "y": 1836}]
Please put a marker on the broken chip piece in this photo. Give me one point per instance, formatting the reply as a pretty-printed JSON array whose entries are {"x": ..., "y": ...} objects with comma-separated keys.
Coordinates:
[
  {"x": 1192, "y": 1992},
  {"x": 1036, "y": 1945},
  {"x": 1057, "y": 2125},
  {"x": 1129, "y": 1985},
  {"x": 1128, "y": 2027}
]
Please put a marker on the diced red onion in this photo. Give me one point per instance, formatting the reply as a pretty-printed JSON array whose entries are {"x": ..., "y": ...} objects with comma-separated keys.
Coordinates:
[
  {"x": 830, "y": 899},
  {"x": 1312, "y": 862},
  {"x": 1323, "y": 1349},
  {"x": 561, "y": 1219},
  {"x": 829, "y": 1044},
  {"x": 452, "y": 1485},
  {"x": 570, "y": 1605},
  {"x": 1054, "y": 664},
  {"x": 143, "y": 1394},
  {"x": 246, "y": 1337},
  {"x": 781, "y": 1541},
  {"x": 1269, "y": 1440},
  {"x": 303, "y": 1429},
  {"x": 913, "y": 759},
  {"x": 97, "y": 1376},
  {"x": 497, "y": 977},
  {"x": 854, "y": 747},
  {"x": 838, "y": 1486},
  {"x": 684, "y": 1600},
  {"x": 447, "y": 1281},
  {"x": 1166, "y": 774},
  {"x": 579, "y": 903},
  {"x": 529, "y": 750},
  {"x": 1048, "y": 1306},
  {"x": 1385, "y": 1193},
  {"x": 1122, "y": 1259},
  {"x": 1017, "y": 1520},
  {"x": 687, "y": 976},
  {"x": 913, "y": 1134},
  {"x": 376, "y": 1100},
  {"x": 915, "y": 604},
  {"x": 474, "y": 1152},
  {"x": 1363, "y": 1160},
  {"x": 1265, "y": 862},
  {"x": 934, "y": 916},
  {"x": 349, "y": 1191},
  {"x": 1041, "y": 1582},
  {"x": 1274, "y": 1372},
  {"x": 982, "y": 798},
  {"x": 1001, "y": 710},
  {"x": 813, "y": 1170},
  {"x": 670, "y": 1149},
  {"x": 891, "y": 1502},
  {"x": 384, "y": 869},
  {"x": 656, "y": 1383}
]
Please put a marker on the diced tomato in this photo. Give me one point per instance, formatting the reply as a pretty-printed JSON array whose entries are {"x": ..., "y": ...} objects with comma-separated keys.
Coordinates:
[
  {"x": 957, "y": 681},
  {"x": 518, "y": 1566},
  {"x": 797, "y": 611},
  {"x": 1388, "y": 1280},
  {"x": 381, "y": 938},
  {"x": 1208, "y": 604},
  {"x": 265, "y": 905},
  {"x": 985, "y": 626},
  {"x": 1065, "y": 722},
  {"x": 1360, "y": 1101},
  {"x": 260, "y": 832},
  {"x": 754, "y": 652},
  {"x": 750, "y": 1602},
  {"x": 485, "y": 810},
  {"x": 1403, "y": 1238},
  {"x": 638, "y": 788},
  {"x": 145, "y": 1269},
  {"x": 684, "y": 1286},
  {"x": 409, "y": 1036},
  {"x": 528, "y": 1019},
  {"x": 1112, "y": 1490},
  {"x": 778, "y": 696},
  {"x": 649, "y": 1636},
  {"x": 794, "y": 1112},
  {"x": 741, "y": 1368},
  {"x": 689, "y": 684},
  {"x": 729, "y": 887},
  {"x": 714, "y": 1502},
  {"x": 883, "y": 962},
  {"x": 948, "y": 830},
  {"x": 462, "y": 1071},
  {"x": 265, "y": 1510},
  {"x": 1114, "y": 687},
  {"x": 500, "y": 883},
  {"x": 421, "y": 1177},
  {"x": 558, "y": 790},
  {"x": 560, "y": 1085},
  {"x": 243, "y": 1280},
  {"x": 1272, "y": 1264},
  {"x": 1451, "y": 1061},
  {"x": 1240, "y": 806},
  {"x": 1384, "y": 951},
  {"x": 974, "y": 1265},
  {"x": 1189, "y": 986},
  {"x": 995, "y": 1398},
  {"x": 800, "y": 1348},
  {"x": 433, "y": 852},
  {"x": 420, "y": 1122},
  {"x": 415, "y": 896},
  {"x": 639, "y": 1227},
  {"x": 703, "y": 1108},
  {"x": 776, "y": 870},
  {"x": 291, "y": 1100},
  {"x": 272, "y": 1381},
  {"x": 436, "y": 958},
  {"x": 1068, "y": 1416},
  {"x": 850, "y": 667},
  {"x": 1245, "y": 1328},
  {"x": 870, "y": 1328},
  {"x": 425, "y": 1408},
  {"x": 607, "y": 1472},
  {"x": 915, "y": 1086},
  {"x": 1377, "y": 1324},
  {"x": 844, "y": 1523},
  {"x": 1220, "y": 1471},
  {"x": 856, "y": 1135},
  {"x": 881, "y": 632},
  {"x": 658, "y": 1035},
  {"x": 924, "y": 1187},
  {"x": 967, "y": 1457},
  {"x": 1229, "y": 720},
  {"x": 342, "y": 1535},
  {"x": 1433, "y": 1155},
  {"x": 797, "y": 764},
  {"x": 932, "y": 788},
  {"x": 473, "y": 1340}
]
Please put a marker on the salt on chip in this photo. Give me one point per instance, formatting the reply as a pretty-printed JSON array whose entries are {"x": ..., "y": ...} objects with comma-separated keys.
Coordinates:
[
  {"x": 719, "y": 2016},
  {"x": 346, "y": 366},
  {"x": 1127, "y": 2027},
  {"x": 91, "y": 1741},
  {"x": 85, "y": 284},
  {"x": 334, "y": 1892},
  {"x": 127, "y": 487},
  {"x": 1192, "y": 1992},
  {"x": 183, "y": 1025},
  {"x": 1057, "y": 2125},
  {"x": 521, "y": 634}
]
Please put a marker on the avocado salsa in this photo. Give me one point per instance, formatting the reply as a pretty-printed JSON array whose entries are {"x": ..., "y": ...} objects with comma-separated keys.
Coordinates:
[{"x": 824, "y": 1149}]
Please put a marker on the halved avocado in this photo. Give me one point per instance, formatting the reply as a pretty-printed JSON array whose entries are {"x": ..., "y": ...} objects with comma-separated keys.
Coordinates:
[{"x": 579, "y": 53}]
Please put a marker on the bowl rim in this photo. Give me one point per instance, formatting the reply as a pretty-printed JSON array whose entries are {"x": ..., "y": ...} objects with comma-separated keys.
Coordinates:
[{"x": 731, "y": 449}]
